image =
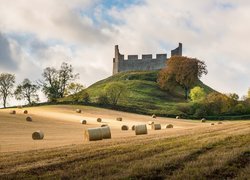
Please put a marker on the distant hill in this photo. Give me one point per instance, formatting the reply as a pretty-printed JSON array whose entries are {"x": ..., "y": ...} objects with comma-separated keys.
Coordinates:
[{"x": 145, "y": 96}]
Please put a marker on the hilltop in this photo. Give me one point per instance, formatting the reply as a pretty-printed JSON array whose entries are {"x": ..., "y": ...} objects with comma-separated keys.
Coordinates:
[{"x": 144, "y": 94}]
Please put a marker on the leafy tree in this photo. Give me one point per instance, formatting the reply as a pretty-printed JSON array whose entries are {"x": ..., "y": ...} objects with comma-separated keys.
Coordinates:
[
  {"x": 233, "y": 96},
  {"x": 115, "y": 91},
  {"x": 7, "y": 82},
  {"x": 27, "y": 90},
  {"x": 240, "y": 109},
  {"x": 85, "y": 98},
  {"x": 55, "y": 81},
  {"x": 217, "y": 103},
  {"x": 102, "y": 99},
  {"x": 197, "y": 94},
  {"x": 182, "y": 71},
  {"x": 74, "y": 88},
  {"x": 248, "y": 93}
]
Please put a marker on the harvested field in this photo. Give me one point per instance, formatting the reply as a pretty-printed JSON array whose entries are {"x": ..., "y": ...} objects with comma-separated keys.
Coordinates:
[
  {"x": 190, "y": 150},
  {"x": 61, "y": 126}
]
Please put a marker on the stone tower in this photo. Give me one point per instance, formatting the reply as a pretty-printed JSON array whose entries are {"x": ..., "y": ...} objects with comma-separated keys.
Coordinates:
[{"x": 177, "y": 51}]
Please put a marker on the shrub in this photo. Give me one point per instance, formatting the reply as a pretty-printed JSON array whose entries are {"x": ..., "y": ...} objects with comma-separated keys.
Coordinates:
[
  {"x": 115, "y": 91},
  {"x": 240, "y": 109},
  {"x": 175, "y": 112},
  {"x": 85, "y": 98},
  {"x": 102, "y": 99},
  {"x": 200, "y": 112},
  {"x": 185, "y": 108}
]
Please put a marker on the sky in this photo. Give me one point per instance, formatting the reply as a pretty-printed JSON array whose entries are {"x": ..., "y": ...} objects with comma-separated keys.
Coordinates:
[{"x": 43, "y": 33}]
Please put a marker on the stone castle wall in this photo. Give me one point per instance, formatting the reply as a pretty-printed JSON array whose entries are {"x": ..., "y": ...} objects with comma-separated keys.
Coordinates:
[{"x": 147, "y": 62}]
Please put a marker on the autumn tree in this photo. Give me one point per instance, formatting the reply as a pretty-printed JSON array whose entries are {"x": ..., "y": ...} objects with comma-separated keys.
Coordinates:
[
  {"x": 115, "y": 91},
  {"x": 27, "y": 90},
  {"x": 182, "y": 71},
  {"x": 7, "y": 82},
  {"x": 218, "y": 103},
  {"x": 55, "y": 81}
]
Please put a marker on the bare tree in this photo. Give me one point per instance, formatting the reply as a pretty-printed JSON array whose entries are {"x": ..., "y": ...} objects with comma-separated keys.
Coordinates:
[{"x": 7, "y": 82}]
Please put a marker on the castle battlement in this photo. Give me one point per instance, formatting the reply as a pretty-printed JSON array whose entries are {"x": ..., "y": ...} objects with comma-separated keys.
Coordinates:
[
  {"x": 147, "y": 62},
  {"x": 145, "y": 57}
]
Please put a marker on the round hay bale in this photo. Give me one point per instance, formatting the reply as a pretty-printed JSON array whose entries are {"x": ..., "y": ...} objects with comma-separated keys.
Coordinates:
[
  {"x": 93, "y": 134},
  {"x": 106, "y": 133},
  {"x": 212, "y": 124},
  {"x": 78, "y": 111},
  {"x": 12, "y": 112},
  {"x": 156, "y": 126},
  {"x": 29, "y": 119},
  {"x": 25, "y": 112},
  {"x": 141, "y": 129},
  {"x": 119, "y": 119},
  {"x": 124, "y": 127},
  {"x": 151, "y": 122},
  {"x": 169, "y": 126},
  {"x": 133, "y": 127},
  {"x": 37, "y": 135},
  {"x": 99, "y": 120},
  {"x": 153, "y": 116},
  {"x": 177, "y": 117},
  {"x": 83, "y": 121},
  {"x": 219, "y": 122},
  {"x": 104, "y": 125},
  {"x": 203, "y": 120}
]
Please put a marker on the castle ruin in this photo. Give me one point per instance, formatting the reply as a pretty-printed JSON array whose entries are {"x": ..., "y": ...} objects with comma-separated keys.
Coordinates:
[{"x": 146, "y": 63}]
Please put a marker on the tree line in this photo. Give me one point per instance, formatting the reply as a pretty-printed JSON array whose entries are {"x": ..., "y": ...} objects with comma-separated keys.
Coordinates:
[
  {"x": 185, "y": 72},
  {"x": 55, "y": 84}
]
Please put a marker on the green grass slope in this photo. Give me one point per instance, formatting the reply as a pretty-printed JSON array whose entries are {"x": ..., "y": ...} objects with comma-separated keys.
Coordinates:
[{"x": 144, "y": 94}]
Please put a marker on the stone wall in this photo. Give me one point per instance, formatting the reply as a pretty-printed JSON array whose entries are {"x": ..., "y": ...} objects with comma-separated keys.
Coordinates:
[{"x": 147, "y": 62}]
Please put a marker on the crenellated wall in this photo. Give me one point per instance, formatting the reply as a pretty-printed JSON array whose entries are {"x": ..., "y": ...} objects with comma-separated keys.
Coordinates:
[{"x": 147, "y": 62}]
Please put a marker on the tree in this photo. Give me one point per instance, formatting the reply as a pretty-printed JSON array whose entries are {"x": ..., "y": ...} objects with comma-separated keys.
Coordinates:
[
  {"x": 7, "y": 82},
  {"x": 182, "y": 71},
  {"x": 248, "y": 93},
  {"x": 240, "y": 109},
  {"x": 55, "y": 81},
  {"x": 233, "y": 96},
  {"x": 73, "y": 89},
  {"x": 102, "y": 99},
  {"x": 217, "y": 103},
  {"x": 85, "y": 98},
  {"x": 27, "y": 90},
  {"x": 115, "y": 91},
  {"x": 197, "y": 94}
]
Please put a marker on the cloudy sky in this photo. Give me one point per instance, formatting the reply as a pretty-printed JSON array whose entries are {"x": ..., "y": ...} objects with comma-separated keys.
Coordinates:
[{"x": 40, "y": 33}]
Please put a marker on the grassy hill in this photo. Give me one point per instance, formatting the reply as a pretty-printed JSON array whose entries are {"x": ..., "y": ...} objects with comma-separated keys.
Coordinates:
[{"x": 144, "y": 94}]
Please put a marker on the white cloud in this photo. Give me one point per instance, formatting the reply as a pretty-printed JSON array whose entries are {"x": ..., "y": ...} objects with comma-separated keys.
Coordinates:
[
  {"x": 57, "y": 19},
  {"x": 212, "y": 30},
  {"x": 83, "y": 33}
]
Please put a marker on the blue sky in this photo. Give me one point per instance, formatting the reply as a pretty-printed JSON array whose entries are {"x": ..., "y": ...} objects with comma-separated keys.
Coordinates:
[{"x": 83, "y": 33}]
